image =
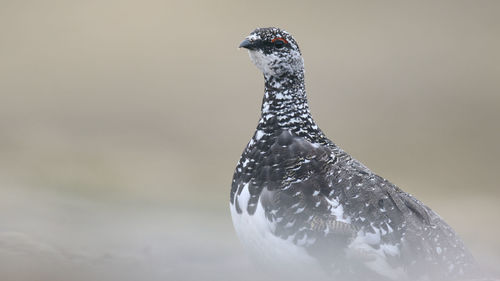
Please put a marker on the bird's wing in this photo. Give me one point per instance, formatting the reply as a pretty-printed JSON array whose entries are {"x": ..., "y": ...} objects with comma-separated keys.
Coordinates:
[
  {"x": 303, "y": 205},
  {"x": 297, "y": 195}
]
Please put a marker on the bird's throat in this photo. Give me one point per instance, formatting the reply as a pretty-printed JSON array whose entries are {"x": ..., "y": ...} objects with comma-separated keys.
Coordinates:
[{"x": 284, "y": 105}]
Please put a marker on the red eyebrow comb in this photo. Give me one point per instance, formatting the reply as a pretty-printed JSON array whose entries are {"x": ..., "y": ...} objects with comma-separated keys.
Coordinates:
[{"x": 279, "y": 38}]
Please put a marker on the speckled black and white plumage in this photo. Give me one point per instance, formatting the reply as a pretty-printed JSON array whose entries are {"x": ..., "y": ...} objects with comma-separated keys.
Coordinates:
[{"x": 297, "y": 199}]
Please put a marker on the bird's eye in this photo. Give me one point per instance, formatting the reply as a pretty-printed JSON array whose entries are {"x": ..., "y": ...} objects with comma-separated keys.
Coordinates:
[{"x": 279, "y": 42}]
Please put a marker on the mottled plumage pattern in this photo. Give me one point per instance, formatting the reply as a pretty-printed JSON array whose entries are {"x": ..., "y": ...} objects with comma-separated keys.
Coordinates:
[{"x": 293, "y": 185}]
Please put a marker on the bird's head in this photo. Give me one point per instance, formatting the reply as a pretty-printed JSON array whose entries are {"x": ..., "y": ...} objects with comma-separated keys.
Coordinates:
[{"x": 274, "y": 51}]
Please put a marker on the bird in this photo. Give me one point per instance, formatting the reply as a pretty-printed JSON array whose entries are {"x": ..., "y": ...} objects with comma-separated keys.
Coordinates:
[{"x": 299, "y": 203}]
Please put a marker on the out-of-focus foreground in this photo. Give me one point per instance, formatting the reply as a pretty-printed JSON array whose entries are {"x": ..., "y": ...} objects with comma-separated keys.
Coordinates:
[{"x": 121, "y": 123}]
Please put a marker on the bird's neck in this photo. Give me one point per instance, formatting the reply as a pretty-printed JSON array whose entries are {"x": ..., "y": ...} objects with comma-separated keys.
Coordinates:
[{"x": 285, "y": 105}]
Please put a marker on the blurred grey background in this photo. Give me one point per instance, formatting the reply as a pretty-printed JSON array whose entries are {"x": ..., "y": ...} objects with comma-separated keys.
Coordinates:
[{"x": 121, "y": 123}]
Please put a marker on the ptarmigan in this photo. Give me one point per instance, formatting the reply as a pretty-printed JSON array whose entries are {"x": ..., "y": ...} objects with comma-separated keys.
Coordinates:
[{"x": 299, "y": 203}]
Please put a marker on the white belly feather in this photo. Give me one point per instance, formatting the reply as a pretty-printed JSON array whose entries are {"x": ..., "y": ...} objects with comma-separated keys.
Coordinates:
[{"x": 255, "y": 233}]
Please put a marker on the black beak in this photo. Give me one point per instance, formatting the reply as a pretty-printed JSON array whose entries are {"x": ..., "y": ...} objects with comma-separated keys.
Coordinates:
[{"x": 247, "y": 44}]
